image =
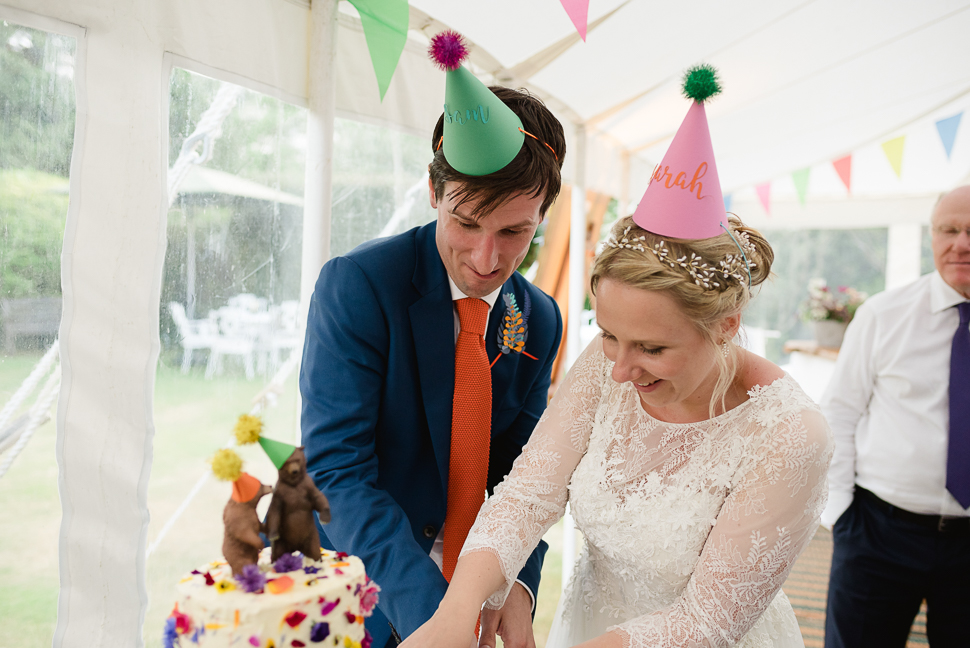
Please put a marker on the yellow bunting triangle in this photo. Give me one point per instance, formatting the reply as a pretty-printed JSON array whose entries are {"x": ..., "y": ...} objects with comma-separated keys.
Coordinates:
[{"x": 894, "y": 153}]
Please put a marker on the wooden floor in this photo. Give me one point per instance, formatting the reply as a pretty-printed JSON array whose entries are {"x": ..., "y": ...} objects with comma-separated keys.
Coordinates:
[{"x": 807, "y": 587}]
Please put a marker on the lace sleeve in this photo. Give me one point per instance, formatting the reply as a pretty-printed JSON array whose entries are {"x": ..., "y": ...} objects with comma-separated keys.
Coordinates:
[
  {"x": 533, "y": 496},
  {"x": 769, "y": 516}
]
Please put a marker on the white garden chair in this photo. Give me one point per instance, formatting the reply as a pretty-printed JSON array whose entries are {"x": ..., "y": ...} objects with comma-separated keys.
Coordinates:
[{"x": 195, "y": 334}]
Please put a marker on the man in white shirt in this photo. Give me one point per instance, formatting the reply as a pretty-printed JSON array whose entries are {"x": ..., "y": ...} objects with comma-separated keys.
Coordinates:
[{"x": 901, "y": 521}]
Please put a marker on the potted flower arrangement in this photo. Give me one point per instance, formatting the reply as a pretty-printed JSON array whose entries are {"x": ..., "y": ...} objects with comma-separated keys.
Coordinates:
[{"x": 830, "y": 311}]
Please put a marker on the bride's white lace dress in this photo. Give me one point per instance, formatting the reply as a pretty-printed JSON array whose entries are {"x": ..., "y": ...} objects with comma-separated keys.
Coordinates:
[{"x": 690, "y": 529}]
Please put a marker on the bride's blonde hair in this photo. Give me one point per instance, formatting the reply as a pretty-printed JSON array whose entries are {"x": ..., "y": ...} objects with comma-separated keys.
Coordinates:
[{"x": 708, "y": 278}]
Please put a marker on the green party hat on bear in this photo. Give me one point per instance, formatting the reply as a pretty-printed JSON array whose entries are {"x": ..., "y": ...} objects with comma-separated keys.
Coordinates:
[
  {"x": 249, "y": 430},
  {"x": 481, "y": 134},
  {"x": 277, "y": 451}
]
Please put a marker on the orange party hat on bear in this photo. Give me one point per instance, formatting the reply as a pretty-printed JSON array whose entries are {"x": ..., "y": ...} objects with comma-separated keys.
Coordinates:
[{"x": 683, "y": 199}]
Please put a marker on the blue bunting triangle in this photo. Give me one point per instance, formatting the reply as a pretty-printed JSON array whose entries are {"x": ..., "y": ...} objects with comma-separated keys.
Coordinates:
[{"x": 948, "y": 132}]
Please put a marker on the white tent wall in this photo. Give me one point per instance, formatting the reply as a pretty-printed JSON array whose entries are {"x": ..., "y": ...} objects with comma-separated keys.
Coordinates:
[
  {"x": 111, "y": 272},
  {"x": 114, "y": 242}
]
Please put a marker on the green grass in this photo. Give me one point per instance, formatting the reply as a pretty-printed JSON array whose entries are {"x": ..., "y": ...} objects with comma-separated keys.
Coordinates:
[{"x": 193, "y": 417}]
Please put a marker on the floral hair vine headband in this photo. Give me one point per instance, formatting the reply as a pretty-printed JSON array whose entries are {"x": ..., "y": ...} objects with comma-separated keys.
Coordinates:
[{"x": 701, "y": 272}]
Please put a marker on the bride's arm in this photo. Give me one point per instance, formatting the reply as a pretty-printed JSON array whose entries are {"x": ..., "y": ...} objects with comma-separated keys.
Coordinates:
[
  {"x": 530, "y": 500},
  {"x": 768, "y": 518},
  {"x": 533, "y": 496}
]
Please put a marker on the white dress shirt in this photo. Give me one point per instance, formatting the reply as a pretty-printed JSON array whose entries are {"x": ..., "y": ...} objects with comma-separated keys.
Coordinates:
[
  {"x": 887, "y": 402},
  {"x": 438, "y": 549}
]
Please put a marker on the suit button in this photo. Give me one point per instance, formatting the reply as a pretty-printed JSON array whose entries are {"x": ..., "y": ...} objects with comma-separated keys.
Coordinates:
[{"x": 429, "y": 532}]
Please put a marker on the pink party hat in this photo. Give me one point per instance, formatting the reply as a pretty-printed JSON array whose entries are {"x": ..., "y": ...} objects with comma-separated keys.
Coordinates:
[{"x": 683, "y": 199}]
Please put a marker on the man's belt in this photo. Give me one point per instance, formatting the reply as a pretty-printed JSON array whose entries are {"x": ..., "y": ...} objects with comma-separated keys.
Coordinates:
[{"x": 940, "y": 523}]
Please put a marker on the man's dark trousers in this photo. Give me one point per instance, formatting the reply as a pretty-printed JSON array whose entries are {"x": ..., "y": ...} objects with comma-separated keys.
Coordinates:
[{"x": 885, "y": 563}]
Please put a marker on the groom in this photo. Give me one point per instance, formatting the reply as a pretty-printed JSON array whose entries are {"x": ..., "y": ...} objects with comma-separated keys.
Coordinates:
[{"x": 409, "y": 414}]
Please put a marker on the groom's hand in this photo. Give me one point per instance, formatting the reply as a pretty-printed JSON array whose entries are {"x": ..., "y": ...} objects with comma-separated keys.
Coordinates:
[{"x": 513, "y": 622}]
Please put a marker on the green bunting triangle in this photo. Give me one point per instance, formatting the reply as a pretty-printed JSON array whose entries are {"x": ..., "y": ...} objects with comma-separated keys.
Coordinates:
[
  {"x": 277, "y": 451},
  {"x": 385, "y": 24},
  {"x": 800, "y": 178}
]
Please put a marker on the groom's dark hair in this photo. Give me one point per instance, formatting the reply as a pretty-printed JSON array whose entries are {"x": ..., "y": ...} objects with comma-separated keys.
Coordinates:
[{"x": 535, "y": 171}]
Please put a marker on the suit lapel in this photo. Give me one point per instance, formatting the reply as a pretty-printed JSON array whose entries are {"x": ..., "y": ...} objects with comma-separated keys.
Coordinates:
[
  {"x": 433, "y": 331},
  {"x": 505, "y": 366}
]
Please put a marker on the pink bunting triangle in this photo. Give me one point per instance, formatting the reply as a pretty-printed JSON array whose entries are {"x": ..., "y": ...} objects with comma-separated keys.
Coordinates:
[
  {"x": 764, "y": 195},
  {"x": 843, "y": 166},
  {"x": 578, "y": 12}
]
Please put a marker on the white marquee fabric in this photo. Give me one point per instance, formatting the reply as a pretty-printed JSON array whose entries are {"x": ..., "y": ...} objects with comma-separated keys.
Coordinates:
[{"x": 805, "y": 81}]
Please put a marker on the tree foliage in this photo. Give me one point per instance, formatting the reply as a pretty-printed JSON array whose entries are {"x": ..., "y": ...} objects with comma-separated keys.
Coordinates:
[
  {"x": 36, "y": 140},
  {"x": 36, "y": 100}
]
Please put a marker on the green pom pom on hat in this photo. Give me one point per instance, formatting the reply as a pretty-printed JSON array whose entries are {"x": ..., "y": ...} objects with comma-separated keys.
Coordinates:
[
  {"x": 277, "y": 451},
  {"x": 701, "y": 83}
]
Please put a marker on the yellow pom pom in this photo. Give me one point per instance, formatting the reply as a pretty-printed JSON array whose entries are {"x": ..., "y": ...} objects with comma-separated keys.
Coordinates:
[
  {"x": 226, "y": 465},
  {"x": 248, "y": 429}
]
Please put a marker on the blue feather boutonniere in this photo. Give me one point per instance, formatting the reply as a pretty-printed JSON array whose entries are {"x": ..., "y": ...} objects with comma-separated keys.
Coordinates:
[{"x": 515, "y": 327}]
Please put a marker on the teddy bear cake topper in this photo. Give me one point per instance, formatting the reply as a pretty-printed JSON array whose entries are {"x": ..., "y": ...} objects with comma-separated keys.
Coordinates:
[{"x": 289, "y": 524}]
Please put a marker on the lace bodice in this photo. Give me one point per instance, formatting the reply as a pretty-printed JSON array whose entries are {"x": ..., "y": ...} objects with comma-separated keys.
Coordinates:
[{"x": 690, "y": 529}]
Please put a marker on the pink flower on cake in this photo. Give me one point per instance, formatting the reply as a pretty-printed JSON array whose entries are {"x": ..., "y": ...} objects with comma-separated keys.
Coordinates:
[
  {"x": 295, "y": 618},
  {"x": 183, "y": 622},
  {"x": 327, "y": 606},
  {"x": 368, "y": 597}
]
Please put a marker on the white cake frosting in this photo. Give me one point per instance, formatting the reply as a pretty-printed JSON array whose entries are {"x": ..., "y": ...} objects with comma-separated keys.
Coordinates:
[{"x": 321, "y": 604}]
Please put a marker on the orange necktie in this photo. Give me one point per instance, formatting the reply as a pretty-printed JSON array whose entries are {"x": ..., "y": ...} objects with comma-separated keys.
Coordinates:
[{"x": 471, "y": 426}]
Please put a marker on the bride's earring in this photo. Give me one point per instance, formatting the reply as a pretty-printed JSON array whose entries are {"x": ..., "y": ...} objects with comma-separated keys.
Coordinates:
[{"x": 724, "y": 349}]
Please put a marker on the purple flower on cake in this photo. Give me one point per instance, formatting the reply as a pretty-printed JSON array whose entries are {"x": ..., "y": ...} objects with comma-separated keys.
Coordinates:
[
  {"x": 368, "y": 597},
  {"x": 310, "y": 569},
  {"x": 368, "y": 640},
  {"x": 319, "y": 632},
  {"x": 288, "y": 562},
  {"x": 251, "y": 579},
  {"x": 170, "y": 636},
  {"x": 327, "y": 606}
]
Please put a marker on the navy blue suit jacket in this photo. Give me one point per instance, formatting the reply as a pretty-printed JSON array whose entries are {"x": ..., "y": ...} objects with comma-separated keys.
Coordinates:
[{"x": 377, "y": 382}]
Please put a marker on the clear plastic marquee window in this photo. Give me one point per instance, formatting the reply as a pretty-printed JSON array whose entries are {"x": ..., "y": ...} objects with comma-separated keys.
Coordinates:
[
  {"x": 229, "y": 327},
  {"x": 37, "y": 109}
]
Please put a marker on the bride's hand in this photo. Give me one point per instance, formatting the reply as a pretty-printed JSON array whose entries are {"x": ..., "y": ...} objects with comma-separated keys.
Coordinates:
[{"x": 440, "y": 631}]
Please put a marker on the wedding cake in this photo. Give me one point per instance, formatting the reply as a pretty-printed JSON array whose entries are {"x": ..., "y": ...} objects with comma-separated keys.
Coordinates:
[
  {"x": 295, "y": 601},
  {"x": 278, "y": 596}
]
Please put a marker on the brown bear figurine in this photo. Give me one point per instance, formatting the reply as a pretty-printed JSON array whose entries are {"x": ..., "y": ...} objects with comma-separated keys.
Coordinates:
[
  {"x": 289, "y": 521},
  {"x": 241, "y": 544}
]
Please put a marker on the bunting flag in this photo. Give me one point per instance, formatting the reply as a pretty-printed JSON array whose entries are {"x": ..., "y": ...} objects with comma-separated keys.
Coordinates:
[
  {"x": 843, "y": 166},
  {"x": 728, "y": 199},
  {"x": 947, "y": 128},
  {"x": 578, "y": 12},
  {"x": 800, "y": 178},
  {"x": 385, "y": 24},
  {"x": 764, "y": 195},
  {"x": 894, "y": 153}
]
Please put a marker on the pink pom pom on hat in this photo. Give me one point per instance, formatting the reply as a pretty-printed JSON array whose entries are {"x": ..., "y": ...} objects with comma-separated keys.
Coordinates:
[
  {"x": 683, "y": 199},
  {"x": 448, "y": 50}
]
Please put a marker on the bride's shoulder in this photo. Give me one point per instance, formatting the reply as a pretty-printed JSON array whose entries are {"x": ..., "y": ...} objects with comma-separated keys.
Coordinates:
[
  {"x": 771, "y": 388},
  {"x": 776, "y": 397},
  {"x": 758, "y": 373}
]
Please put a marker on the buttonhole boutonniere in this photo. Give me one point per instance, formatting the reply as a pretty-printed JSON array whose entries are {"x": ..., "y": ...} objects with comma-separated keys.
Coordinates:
[{"x": 515, "y": 328}]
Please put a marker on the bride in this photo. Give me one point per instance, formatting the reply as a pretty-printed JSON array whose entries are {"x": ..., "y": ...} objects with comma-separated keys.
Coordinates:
[{"x": 694, "y": 469}]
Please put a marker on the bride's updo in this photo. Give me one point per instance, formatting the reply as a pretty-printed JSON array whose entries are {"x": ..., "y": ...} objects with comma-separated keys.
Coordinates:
[{"x": 708, "y": 278}]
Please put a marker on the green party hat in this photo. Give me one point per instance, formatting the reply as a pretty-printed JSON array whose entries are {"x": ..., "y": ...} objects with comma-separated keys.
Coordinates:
[
  {"x": 277, "y": 451},
  {"x": 481, "y": 134}
]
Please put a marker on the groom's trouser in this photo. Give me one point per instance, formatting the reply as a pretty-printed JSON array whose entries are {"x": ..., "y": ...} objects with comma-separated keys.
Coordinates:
[{"x": 886, "y": 561}]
